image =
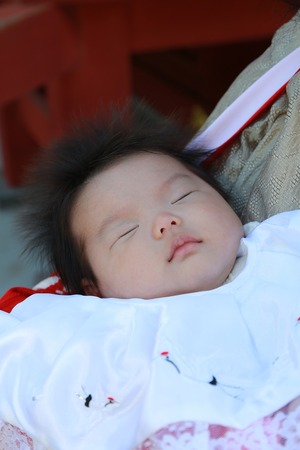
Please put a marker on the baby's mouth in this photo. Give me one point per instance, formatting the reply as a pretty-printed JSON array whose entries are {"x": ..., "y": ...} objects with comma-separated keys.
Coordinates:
[{"x": 182, "y": 246}]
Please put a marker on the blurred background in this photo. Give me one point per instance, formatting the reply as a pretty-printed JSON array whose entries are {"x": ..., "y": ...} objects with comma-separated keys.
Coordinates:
[{"x": 63, "y": 59}]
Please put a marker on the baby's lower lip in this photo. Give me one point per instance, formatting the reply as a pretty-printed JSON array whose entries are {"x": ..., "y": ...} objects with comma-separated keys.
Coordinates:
[{"x": 184, "y": 249}]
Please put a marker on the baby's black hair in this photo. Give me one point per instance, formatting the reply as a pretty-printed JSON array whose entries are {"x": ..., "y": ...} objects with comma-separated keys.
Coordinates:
[{"x": 63, "y": 169}]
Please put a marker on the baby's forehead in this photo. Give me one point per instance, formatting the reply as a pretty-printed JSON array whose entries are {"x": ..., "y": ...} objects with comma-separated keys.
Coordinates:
[
  {"x": 129, "y": 177},
  {"x": 142, "y": 171}
]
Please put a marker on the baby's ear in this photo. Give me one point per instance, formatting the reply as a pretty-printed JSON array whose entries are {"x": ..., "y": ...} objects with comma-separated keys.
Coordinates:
[{"x": 90, "y": 288}]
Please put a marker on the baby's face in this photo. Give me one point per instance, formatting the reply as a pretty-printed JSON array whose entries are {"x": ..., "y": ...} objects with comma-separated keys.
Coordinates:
[{"x": 152, "y": 228}]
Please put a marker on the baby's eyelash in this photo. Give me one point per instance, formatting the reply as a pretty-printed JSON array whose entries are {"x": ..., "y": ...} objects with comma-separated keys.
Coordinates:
[
  {"x": 182, "y": 197},
  {"x": 127, "y": 232}
]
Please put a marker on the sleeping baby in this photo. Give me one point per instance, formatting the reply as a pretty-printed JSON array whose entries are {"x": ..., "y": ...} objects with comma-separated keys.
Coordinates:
[{"x": 176, "y": 311}]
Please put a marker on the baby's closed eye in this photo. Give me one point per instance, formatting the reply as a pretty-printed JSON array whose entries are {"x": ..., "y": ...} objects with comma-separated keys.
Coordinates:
[
  {"x": 182, "y": 197},
  {"x": 128, "y": 232}
]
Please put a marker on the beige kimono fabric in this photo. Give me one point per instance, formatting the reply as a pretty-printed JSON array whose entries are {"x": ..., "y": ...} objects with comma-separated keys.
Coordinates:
[{"x": 260, "y": 170}]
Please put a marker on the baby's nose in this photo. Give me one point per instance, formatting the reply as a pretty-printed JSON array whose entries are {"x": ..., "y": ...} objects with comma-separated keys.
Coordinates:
[{"x": 164, "y": 222}]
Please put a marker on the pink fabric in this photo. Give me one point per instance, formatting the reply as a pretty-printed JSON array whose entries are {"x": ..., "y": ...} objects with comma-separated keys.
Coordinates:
[
  {"x": 279, "y": 431},
  {"x": 12, "y": 438}
]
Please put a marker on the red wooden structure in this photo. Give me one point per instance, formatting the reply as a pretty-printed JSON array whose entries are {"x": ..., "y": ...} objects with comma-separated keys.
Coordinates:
[{"x": 62, "y": 59}]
